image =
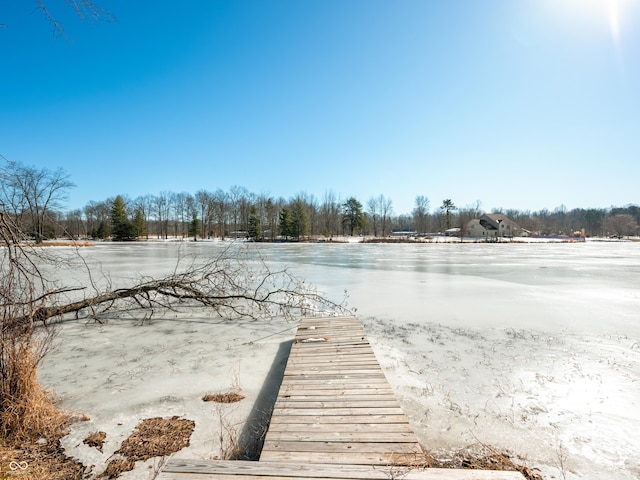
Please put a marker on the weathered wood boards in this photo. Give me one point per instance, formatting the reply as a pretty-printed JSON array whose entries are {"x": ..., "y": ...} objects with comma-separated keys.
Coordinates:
[
  {"x": 334, "y": 404},
  {"x": 336, "y": 418},
  {"x": 240, "y": 470}
]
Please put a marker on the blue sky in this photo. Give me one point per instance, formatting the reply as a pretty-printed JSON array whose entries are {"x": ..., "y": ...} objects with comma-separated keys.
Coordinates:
[{"x": 516, "y": 104}]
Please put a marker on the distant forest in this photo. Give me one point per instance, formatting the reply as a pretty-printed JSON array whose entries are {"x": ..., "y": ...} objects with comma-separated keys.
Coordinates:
[{"x": 34, "y": 199}]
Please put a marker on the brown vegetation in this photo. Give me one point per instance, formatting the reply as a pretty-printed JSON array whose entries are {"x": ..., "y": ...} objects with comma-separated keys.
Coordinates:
[
  {"x": 42, "y": 462},
  {"x": 118, "y": 466},
  {"x": 153, "y": 437},
  {"x": 63, "y": 243},
  {"x": 96, "y": 440},
  {"x": 481, "y": 457},
  {"x": 227, "y": 397},
  {"x": 28, "y": 411}
]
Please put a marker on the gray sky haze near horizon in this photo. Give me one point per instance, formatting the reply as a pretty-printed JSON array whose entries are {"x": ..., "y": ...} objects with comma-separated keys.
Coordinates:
[{"x": 527, "y": 105}]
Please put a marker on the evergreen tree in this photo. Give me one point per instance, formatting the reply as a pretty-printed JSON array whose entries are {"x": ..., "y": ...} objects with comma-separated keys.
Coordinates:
[
  {"x": 122, "y": 228},
  {"x": 447, "y": 207},
  {"x": 352, "y": 215},
  {"x": 254, "y": 229},
  {"x": 285, "y": 222},
  {"x": 299, "y": 220},
  {"x": 139, "y": 225},
  {"x": 195, "y": 227},
  {"x": 103, "y": 231}
]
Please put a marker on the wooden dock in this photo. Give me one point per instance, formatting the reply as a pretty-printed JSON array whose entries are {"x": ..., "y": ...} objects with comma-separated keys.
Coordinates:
[{"x": 335, "y": 417}]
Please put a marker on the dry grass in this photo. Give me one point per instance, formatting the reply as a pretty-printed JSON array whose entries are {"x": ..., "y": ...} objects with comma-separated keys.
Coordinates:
[
  {"x": 33, "y": 461},
  {"x": 96, "y": 440},
  {"x": 118, "y": 466},
  {"x": 28, "y": 411},
  {"x": 481, "y": 457},
  {"x": 473, "y": 457},
  {"x": 153, "y": 437},
  {"x": 228, "y": 435},
  {"x": 228, "y": 397},
  {"x": 31, "y": 424},
  {"x": 63, "y": 243}
]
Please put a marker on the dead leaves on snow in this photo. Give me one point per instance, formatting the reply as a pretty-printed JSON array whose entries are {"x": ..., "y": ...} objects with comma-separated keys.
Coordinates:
[
  {"x": 227, "y": 397},
  {"x": 96, "y": 440},
  {"x": 153, "y": 437}
]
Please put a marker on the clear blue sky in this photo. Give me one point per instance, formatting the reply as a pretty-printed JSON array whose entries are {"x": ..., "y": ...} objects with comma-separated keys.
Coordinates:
[{"x": 518, "y": 104}]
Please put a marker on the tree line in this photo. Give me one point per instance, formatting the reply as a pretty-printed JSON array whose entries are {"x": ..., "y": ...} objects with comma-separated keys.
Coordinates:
[{"x": 35, "y": 198}]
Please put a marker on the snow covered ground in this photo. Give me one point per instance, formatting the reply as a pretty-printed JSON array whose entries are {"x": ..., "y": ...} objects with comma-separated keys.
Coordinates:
[{"x": 532, "y": 348}]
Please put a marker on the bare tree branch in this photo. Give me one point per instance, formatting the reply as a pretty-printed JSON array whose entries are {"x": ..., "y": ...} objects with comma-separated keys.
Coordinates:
[
  {"x": 84, "y": 9},
  {"x": 231, "y": 285}
]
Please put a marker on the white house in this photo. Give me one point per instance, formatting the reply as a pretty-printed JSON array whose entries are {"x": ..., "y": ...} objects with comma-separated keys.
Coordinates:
[{"x": 494, "y": 225}]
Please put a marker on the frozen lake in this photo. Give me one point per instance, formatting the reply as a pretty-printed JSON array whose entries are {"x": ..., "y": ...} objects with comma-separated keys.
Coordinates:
[
  {"x": 529, "y": 347},
  {"x": 532, "y": 348}
]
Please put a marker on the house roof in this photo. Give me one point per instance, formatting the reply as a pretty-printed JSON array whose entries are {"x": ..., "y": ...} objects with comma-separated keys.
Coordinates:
[{"x": 492, "y": 221}]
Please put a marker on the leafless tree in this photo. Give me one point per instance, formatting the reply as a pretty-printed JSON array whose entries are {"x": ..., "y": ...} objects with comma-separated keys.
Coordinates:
[
  {"x": 465, "y": 215},
  {"x": 373, "y": 211},
  {"x": 182, "y": 213},
  {"x": 204, "y": 206},
  {"x": 237, "y": 196},
  {"x": 162, "y": 204},
  {"x": 246, "y": 202},
  {"x": 221, "y": 210},
  {"x": 144, "y": 204},
  {"x": 94, "y": 214},
  {"x": 476, "y": 210},
  {"x": 385, "y": 206},
  {"x": 421, "y": 214},
  {"x": 32, "y": 194},
  {"x": 264, "y": 209},
  {"x": 75, "y": 226},
  {"x": 621, "y": 225},
  {"x": 330, "y": 211}
]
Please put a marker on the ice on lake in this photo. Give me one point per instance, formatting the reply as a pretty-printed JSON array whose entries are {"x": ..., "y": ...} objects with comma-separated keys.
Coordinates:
[{"x": 531, "y": 348}]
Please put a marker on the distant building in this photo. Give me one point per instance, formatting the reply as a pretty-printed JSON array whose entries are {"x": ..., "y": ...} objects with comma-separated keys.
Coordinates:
[
  {"x": 494, "y": 225},
  {"x": 403, "y": 233}
]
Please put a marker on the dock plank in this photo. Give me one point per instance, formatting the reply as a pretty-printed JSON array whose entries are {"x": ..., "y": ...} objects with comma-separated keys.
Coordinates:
[
  {"x": 310, "y": 420},
  {"x": 242, "y": 470},
  {"x": 339, "y": 427},
  {"x": 329, "y": 435}
]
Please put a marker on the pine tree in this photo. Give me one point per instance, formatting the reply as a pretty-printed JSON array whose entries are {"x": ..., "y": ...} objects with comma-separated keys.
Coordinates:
[
  {"x": 299, "y": 220},
  {"x": 102, "y": 231},
  {"x": 284, "y": 221},
  {"x": 195, "y": 227},
  {"x": 447, "y": 207},
  {"x": 139, "y": 225},
  {"x": 352, "y": 215},
  {"x": 122, "y": 229},
  {"x": 255, "y": 231}
]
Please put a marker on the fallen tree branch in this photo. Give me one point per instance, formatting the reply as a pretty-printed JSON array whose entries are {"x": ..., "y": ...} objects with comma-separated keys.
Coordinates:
[{"x": 232, "y": 285}]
